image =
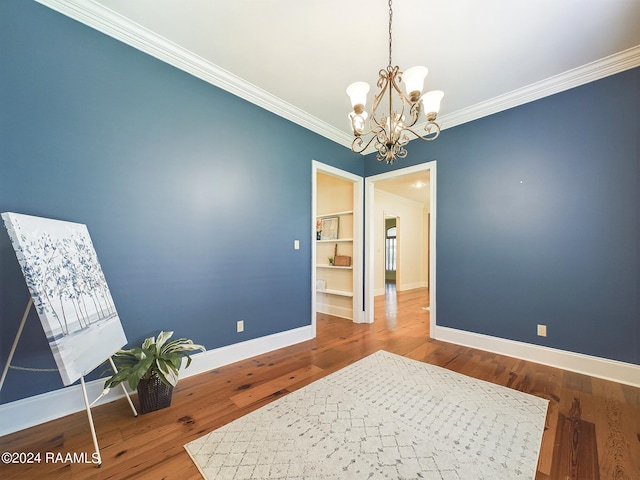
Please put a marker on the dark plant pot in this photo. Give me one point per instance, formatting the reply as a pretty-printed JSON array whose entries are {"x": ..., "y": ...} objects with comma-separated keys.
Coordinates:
[{"x": 153, "y": 394}]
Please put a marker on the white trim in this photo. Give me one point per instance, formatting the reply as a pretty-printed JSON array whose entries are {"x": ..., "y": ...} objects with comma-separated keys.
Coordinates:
[
  {"x": 49, "y": 406},
  {"x": 403, "y": 287},
  {"x": 616, "y": 63},
  {"x": 369, "y": 287},
  {"x": 335, "y": 311},
  {"x": 607, "y": 369},
  {"x": 103, "y": 19},
  {"x": 250, "y": 348},
  {"x": 358, "y": 229}
]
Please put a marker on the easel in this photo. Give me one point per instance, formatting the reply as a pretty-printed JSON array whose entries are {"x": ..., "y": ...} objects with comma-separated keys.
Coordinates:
[{"x": 84, "y": 388}]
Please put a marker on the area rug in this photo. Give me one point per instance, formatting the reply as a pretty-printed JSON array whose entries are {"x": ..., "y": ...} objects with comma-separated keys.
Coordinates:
[{"x": 387, "y": 417}]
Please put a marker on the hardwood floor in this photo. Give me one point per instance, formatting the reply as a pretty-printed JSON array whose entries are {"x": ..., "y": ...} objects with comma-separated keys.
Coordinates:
[{"x": 592, "y": 428}]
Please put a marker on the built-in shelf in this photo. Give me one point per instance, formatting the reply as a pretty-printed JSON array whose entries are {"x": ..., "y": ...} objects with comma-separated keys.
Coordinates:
[
  {"x": 340, "y": 293},
  {"x": 336, "y": 240},
  {"x": 337, "y": 214}
]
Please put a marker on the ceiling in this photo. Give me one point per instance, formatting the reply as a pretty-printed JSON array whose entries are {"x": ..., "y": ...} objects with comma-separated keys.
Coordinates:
[
  {"x": 414, "y": 186},
  {"x": 296, "y": 57}
]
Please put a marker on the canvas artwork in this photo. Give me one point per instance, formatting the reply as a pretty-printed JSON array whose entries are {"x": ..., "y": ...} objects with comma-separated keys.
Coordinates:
[{"x": 69, "y": 292}]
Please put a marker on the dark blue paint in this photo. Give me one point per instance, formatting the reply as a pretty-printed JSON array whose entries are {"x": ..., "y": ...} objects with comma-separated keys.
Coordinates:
[
  {"x": 561, "y": 248},
  {"x": 192, "y": 219}
]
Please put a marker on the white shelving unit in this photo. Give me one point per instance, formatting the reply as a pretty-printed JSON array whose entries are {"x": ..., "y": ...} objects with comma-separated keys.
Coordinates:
[
  {"x": 339, "y": 293},
  {"x": 336, "y": 240},
  {"x": 337, "y": 296}
]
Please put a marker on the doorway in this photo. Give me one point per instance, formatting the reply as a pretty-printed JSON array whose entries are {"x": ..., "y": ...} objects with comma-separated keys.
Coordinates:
[
  {"x": 391, "y": 250},
  {"x": 337, "y": 232},
  {"x": 401, "y": 187}
]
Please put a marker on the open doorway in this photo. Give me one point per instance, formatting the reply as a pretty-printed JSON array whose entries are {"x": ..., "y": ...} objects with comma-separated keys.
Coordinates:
[
  {"x": 391, "y": 251},
  {"x": 336, "y": 253},
  {"x": 409, "y": 196}
]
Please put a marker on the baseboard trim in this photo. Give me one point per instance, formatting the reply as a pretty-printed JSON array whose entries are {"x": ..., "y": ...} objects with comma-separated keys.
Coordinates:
[
  {"x": 241, "y": 351},
  {"x": 411, "y": 286},
  {"x": 616, "y": 371},
  {"x": 334, "y": 311},
  {"x": 49, "y": 406}
]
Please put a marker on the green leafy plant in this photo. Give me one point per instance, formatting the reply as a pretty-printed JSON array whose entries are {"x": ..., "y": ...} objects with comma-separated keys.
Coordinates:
[{"x": 161, "y": 358}]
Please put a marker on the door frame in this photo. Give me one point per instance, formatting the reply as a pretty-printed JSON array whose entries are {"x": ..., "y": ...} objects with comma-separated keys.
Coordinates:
[
  {"x": 358, "y": 229},
  {"x": 369, "y": 286}
]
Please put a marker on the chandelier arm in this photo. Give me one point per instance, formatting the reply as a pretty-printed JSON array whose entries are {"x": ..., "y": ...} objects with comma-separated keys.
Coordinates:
[
  {"x": 384, "y": 86},
  {"x": 415, "y": 108},
  {"x": 396, "y": 74},
  {"x": 359, "y": 141},
  {"x": 390, "y": 155},
  {"x": 374, "y": 130},
  {"x": 427, "y": 128},
  {"x": 414, "y": 112},
  {"x": 395, "y": 118}
]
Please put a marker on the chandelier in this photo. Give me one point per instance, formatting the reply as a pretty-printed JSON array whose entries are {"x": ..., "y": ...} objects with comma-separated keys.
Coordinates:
[{"x": 388, "y": 129}]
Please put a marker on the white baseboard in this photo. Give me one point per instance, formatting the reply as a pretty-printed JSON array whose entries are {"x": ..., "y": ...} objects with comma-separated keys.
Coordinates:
[
  {"x": 607, "y": 369},
  {"x": 410, "y": 286},
  {"x": 49, "y": 406},
  {"x": 335, "y": 311},
  {"x": 240, "y": 351},
  {"x": 401, "y": 288}
]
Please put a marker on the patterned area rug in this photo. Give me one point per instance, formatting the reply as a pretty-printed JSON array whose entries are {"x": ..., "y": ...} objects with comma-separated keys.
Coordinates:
[{"x": 385, "y": 416}]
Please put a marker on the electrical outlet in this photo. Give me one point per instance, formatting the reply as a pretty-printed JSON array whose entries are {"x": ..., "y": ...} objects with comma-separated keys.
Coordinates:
[
  {"x": 240, "y": 326},
  {"x": 542, "y": 330}
]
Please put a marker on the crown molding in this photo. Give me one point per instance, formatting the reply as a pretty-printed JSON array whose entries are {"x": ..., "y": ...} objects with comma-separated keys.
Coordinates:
[
  {"x": 119, "y": 27},
  {"x": 590, "y": 72}
]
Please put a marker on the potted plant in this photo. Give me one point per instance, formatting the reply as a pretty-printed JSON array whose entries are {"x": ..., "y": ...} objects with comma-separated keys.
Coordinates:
[{"x": 152, "y": 369}]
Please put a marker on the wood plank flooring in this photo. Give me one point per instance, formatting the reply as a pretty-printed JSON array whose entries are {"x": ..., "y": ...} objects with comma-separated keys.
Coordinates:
[{"x": 592, "y": 428}]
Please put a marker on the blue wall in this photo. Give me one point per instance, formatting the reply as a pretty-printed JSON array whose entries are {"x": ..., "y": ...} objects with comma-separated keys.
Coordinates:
[
  {"x": 192, "y": 196},
  {"x": 539, "y": 220}
]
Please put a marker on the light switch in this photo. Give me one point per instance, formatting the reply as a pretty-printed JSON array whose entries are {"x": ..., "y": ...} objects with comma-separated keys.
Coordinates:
[{"x": 296, "y": 244}]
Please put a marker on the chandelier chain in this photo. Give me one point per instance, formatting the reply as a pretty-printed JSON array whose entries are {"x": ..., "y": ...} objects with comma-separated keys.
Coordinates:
[
  {"x": 390, "y": 21},
  {"x": 388, "y": 131}
]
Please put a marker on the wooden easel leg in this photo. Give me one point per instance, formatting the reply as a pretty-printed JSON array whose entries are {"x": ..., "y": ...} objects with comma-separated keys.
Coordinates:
[
  {"x": 15, "y": 342},
  {"x": 124, "y": 389},
  {"x": 93, "y": 430}
]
